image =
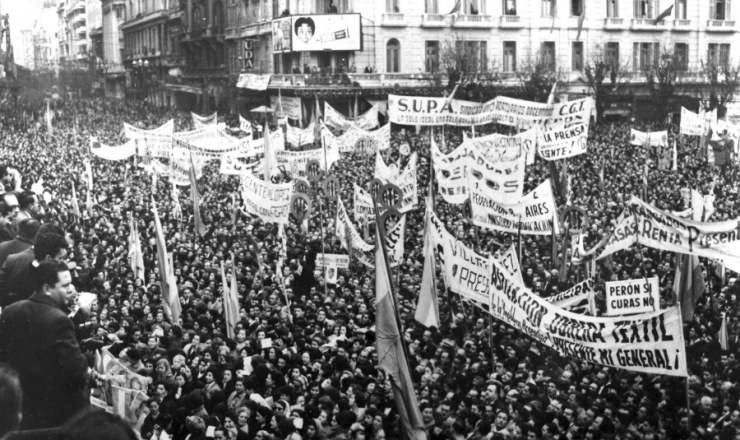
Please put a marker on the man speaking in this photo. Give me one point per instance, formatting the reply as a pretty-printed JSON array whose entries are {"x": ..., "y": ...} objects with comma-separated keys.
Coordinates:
[{"x": 38, "y": 340}]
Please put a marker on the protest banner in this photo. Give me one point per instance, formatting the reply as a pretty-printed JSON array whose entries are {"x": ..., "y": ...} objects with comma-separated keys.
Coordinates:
[
  {"x": 578, "y": 299},
  {"x": 628, "y": 297},
  {"x": 510, "y": 261},
  {"x": 295, "y": 162},
  {"x": 208, "y": 142},
  {"x": 356, "y": 139},
  {"x": 233, "y": 165},
  {"x": 405, "y": 180},
  {"x": 131, "y": 132},
  {"x": 362, "y": 204},
  {"x": 691, "y": 123},
  {"x": 337, "y": 121},
  {"x": 291, "y": 107},
  {"x": 204, "y": 121},
  {"x": 534, "y": 214},
  {"x": 357, "y": 243},
  {"x": 651, "y": 139},
  {"x": 562, "y": 141},
  {"x": 648, "y": 343},
  {"x": 465, "y": 271},
  {"x": 120, "y": 152},
  {"x": 659, "y": 229},
  {"x": 269, "y": 201},
  {"x": 253, "y": 81},
  {"x": 457, "y": 171},
  {"x": 338, "y": 261},
  {"x": 502, "y": 148},
  {"x": 253, "y": 147},
  {"x": 298, "y": 137},
  {"x": 526, "y": 114}
]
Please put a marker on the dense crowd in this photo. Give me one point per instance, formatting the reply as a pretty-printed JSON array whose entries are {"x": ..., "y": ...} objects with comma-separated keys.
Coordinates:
[{"x": 317, "y": 378}]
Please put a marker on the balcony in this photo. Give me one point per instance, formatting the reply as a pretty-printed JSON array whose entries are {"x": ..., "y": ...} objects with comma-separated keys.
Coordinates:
[
  {"x": 511, "y": 22},
  {"x": 682, "y": 25},
  {"x": 253, "y": 29},
  {"x": 473, "y": 21},
  {"x": 433, "y": 20},
  {"x": 720, "y": 26},
  {"x": 394, "y": 19},
  {"x": 647, "y": 24},
  {"x": 615, "y": 24}
]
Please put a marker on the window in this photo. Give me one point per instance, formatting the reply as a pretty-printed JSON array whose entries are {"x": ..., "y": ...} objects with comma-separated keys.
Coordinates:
[
  {"x": 432, "y": 56},
  {"x": 549, "y": 8},
  {"x": 576, "y": 8},
  {"x": 644, "y": 8},
  {"x": 509, "y": 56},
  {"x": 681, "y": 9},
  {"x": 719, "y": 9},
  {"x": 612, "y": 10},
  {"x": 681, "y": 54},
  {"x": 393, "y": 56},
  {"x": 548, "y": 54},
  {"x": 197, "y": 19},
  {"x": 475, "y": 54},
  {"x": 612, "y": 54},
  {"x": 577, "y": 56},
  {"x": 432, "y": 7},
  {"x": 645, "y": 56},
  {"x": 218, "y": 16},
  {"x": 391, "y": 6},
  {"x": 719, "y": 53},
  {"x": 474, "y": 7},
  {"x": 509, "y": 7}
]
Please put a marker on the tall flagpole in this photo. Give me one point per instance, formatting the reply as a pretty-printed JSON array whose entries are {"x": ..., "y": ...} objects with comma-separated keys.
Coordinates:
[{"x": 321, "y": 212}]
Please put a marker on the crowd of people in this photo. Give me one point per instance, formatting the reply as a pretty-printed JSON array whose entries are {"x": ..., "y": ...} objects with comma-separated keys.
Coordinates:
[{"x": 302, "y": 364}]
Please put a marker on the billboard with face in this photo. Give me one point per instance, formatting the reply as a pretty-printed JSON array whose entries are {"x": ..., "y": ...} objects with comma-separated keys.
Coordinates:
[{"x": 329, "y": 32}]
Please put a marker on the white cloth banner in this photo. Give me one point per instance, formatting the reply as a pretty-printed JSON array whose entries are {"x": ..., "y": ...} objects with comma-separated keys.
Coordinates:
[
  {"x": 651, "y": 139},
  {"x": 131, "y": 132},
  {"x": 649, "y": 343},
  {"x": 297, "y": 137},
  {"x": 208, "y": 142},
  {"x": 245, "y": 126},
  {"x": 563, "y": 141},
  {"x": 232, "y": 164},
  {"x": 120, "y": 152},
  {"x": 204, "y": 121},
  {"x": 578, "y": 299},
  {"x": 691, "y": 123},
  {"x": 536, "y": 211},
  {"x": 417, "y": 110},
  {"x": 337, "y": 121},
  {"x": 268, "y": 201},
  {"x": 254, "y": 147},
  {"x": 501, "y": 148},
  {"x": 658, "y": 229},
  {"x": 632, "y": 296},
  {"x": 343, "y": 219},
  {"x": 465, "y": 167},
  {"x": 510, "y": 261},
  {"x": 253, "y": 81},
  {"x": 291, "y": 107},
  {"x": 294, "y": 162},
  {"x": 362, "y": 204},
  {"x": 361, "y": 141}
]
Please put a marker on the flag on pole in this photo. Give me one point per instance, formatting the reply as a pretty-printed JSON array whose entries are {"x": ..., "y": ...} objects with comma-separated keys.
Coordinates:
[
  {"x": 177, "y": 208},
  {"x": 245, "y": 126},
  {"x": 580, "y": 21},
  {"x": 75, "y": 203},
  {"x": 231, "y": 309},
  {"x": 136, "y": 257},
  {"x": 724, "y": 336},
  {"x": 601, "y": 177},
  {"x": 455, "y": 8},
  {"x": 674, "y": 166},
  {"x": 390, "y": 347},
  {"x": 551, "y": 97},
  {"x": 167, "y": 280},
  {"x": 200, "y": 228},
  {"x": 49, "y": 116},
  {"x": 427, "y": 309},
  {"x": 697, "y": 206},
  {"x": 662, "y": 15},
  {"x": 688, "y": 285}
]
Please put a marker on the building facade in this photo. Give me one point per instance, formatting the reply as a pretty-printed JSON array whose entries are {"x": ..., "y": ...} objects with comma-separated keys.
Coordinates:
[
  {"x": 110, "y": 68},
  {"x": 151, "y": 47}
]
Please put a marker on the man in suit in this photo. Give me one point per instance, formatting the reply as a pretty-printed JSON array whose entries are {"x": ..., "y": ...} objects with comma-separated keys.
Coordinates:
[
  {"x": 27, "y": 229},
  {"x": 9, "y": 209},
  {"x": 16, "y": 280},
  {"x": 38, "y": 340}
]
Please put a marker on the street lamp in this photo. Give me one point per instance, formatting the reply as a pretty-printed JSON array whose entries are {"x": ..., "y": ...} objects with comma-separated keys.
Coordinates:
[{"x": 141, "y": 64}]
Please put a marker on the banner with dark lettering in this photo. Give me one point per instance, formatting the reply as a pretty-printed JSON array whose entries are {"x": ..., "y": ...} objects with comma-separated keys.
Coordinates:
[
  {"x": 562, "y": 141},
  {"x": 465, "y": 271},
  {"x": 535, "y": 211},
  {"x": 578, "y": 299},
  {"x": 648, "y": 343},
  {"x": 337, "y": 121},
  {"x": 659, "y": 229},
  {"x": 510, "y": 261},
  {"x": 628, "y": 297},
  {"x": 358, "y": 244},
  {"x": 268, "y": 201},
  {"x": 465, "y": 167},
  {"x": 525, "y": 114},
  {"x": 502, "y": 148},
  {"x": 299, "y": 137},
  {"x": 691, "y": 123},
  {"x": 405, "y": 180},
  {"x": 358, "y": 140},
  {"x": 362, "y": 204},
  {"x": 651, "y": 139},
  {"x": 294, "y": 162}
]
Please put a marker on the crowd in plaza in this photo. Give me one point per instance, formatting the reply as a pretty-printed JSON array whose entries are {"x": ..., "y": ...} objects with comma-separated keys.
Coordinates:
[{"x": 318, "y": 377}]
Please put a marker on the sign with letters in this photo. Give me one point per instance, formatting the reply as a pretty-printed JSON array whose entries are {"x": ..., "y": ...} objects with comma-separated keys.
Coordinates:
[{"x": 632, "y": 296}]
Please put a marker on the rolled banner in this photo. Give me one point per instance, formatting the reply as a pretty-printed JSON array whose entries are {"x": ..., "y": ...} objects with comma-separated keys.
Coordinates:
[
  {"x": 391, "y": 196},
  {"x": 313, "y": 170},
  {"x": 467, "y": 210},
  {"x": 331, "y": 188},
  {"x": 300, "y": 207}
]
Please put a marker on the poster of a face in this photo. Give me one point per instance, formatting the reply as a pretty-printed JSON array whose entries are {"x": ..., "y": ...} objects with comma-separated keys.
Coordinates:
[
  {"x": 281, "y": 33},
  {"x": 326, "y": 32}
]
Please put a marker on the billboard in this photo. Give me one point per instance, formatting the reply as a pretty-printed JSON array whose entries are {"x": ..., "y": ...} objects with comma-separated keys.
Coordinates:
[
  {"x": 323, "y": 32},
  {"x": 281, "y": 32}
]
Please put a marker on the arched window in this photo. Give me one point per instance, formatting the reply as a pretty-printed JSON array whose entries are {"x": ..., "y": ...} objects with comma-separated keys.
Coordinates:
[
  {"x": 197, "y": 19},
  {"x": 218, "y": 16},
  {"x": 393, "y": 56}
]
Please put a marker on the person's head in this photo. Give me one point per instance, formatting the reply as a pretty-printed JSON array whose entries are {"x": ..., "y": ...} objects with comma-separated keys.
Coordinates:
[
  {"x": 9, "y": 206},
  {"x": 304, "y": 29},
  {"x": 53, "y": 279},
  {"x": 50, "y": 246},
  {"x": 11, "y": 398},
  {"x": 28, "y": 227},
  {"x": 28, "y": 201}
]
